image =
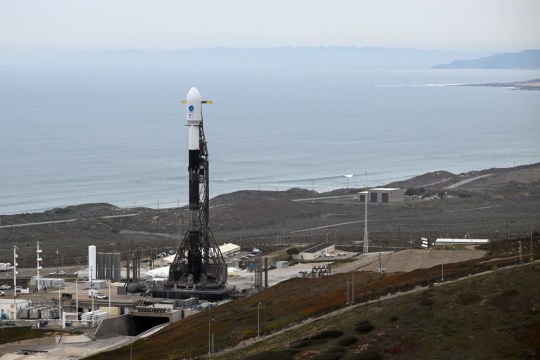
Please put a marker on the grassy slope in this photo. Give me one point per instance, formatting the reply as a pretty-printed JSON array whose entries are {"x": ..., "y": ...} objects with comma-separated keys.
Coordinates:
[
  {"x": 295, "y": 300},
  {"x": 13, "y": 334},
  {"x": 487, "y": 317}
]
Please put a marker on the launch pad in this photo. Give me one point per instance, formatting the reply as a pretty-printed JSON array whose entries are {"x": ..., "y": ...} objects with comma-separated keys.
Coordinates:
[
  {"x": 209, "y": 295},
  {"x": 199, "y": 268}
]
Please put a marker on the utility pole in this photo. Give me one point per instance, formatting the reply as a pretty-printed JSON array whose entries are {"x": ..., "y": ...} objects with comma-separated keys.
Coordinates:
[
  {"x": 77, "y": 298},
  {"x": 352, "y": 288},
  {"x": 442, "y": 272},
  {"x": 347, "y": 292},
  {"x": 366, "y": 240},
  {"x": 258, "y": 319},
  {"x": 15, "y": 256},
  {"x": 59, "y": 304},
  {"x": 15, "y": 281},
  {"x": 38, "y": 261},
  {"x": 210, "y": 336},
  {"x": 92, "y": 288},
  {"x": 530, "y": 246}
]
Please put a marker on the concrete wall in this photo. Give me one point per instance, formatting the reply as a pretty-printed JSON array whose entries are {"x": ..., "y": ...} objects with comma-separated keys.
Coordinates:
[
  {"x": 120, "y": 325},
  {"x": 129, "y": 325}
]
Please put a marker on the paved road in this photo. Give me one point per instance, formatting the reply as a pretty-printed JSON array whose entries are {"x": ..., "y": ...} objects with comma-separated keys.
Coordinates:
[
  {"x": 76, "y": 348},
  {"x": 63, "y": 221}
]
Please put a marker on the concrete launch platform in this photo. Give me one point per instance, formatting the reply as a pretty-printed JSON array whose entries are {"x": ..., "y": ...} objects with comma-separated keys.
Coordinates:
[{"x": 210, "y": 295}]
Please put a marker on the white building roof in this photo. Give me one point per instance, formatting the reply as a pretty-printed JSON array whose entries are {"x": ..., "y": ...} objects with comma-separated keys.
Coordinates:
[
  {"x": 228, "y": 247},
  {"x": 461, "y": 241},
  {"x": 168, "y": 259},
  {"x": 225, "y": 248}
]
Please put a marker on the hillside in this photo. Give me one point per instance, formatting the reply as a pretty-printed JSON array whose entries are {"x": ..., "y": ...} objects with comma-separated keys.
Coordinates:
[
  {"x": 492, "y": 316},
  {"x": 526, "y": 59},
  {"x": 504, "y": 204},
  {"x": 510, "y": 183}
]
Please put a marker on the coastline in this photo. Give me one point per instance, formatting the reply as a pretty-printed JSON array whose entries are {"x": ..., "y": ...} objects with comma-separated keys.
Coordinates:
[{"x": 533, "y": 84}]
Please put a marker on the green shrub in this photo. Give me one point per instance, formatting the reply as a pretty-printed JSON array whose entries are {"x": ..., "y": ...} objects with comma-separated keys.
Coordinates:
[
  {"x": 427, "y": 301},
  {"x": 265, "y": 355},
  {"x": 291, "y": 352},
  {"x": 364, "y": 355},
  {"x": 363, "y": 327},
  {"x": 415, "y": 191},
  {"x": 394, "y": 318},
  {"x": 327, "y": 334},
  {"x": 327, "y": 356},
  {"x": 301, "y": 343},
  {"x": 467, "y": 298},
  {"x": 19, "y": 333},
  {"x": 347, "y": 340},
  {"x": 334, "y": 353}
]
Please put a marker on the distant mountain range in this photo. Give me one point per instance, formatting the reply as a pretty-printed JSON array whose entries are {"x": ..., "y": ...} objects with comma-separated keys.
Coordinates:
[
  {"x": 216, "y": 59},
  {"x": 280, "y": 59},
  {"x": 527, "y": 59}
]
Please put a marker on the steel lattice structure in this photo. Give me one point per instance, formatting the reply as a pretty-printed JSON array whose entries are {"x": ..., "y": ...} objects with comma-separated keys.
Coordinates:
[{"x": 198, "y": 262}]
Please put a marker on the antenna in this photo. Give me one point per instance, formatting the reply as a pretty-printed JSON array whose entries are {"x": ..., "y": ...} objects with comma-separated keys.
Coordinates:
[
  {"x": 366, "y": 240},
  {"x": 39, "y": 262}
]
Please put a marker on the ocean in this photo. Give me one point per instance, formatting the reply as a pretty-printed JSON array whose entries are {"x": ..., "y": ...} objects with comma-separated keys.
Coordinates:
[{"x": 73, "y": 135}]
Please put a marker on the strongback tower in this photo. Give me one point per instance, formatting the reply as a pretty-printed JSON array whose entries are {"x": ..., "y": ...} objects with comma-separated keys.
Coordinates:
[{"x": 198, "y": 263}]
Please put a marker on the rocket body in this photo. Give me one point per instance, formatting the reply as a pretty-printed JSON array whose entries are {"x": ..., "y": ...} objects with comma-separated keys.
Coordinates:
[{"x": 194, "y": 120}]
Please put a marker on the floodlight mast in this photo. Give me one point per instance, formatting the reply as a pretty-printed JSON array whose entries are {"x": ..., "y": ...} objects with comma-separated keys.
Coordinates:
[
  {"x": 366, "y": 240},
  {"x": 198, "y": 261}
]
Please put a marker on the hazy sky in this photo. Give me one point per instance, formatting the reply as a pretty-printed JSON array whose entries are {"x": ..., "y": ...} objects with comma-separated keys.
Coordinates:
[{"x": 486, "y": 25}]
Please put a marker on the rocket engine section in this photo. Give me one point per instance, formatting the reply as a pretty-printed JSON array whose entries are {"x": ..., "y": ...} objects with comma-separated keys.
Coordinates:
[{"x": 198, "y": 262}]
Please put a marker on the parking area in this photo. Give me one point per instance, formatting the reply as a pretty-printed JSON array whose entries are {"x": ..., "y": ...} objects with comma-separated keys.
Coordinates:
[{"x": 246, "y": 280}]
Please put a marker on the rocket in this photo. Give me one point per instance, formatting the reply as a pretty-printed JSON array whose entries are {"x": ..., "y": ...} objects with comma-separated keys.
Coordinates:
[
  {"x": 196, "y": 169},
  {"x": 194, "y": 121},
  {"x": 198, "y": 261}
]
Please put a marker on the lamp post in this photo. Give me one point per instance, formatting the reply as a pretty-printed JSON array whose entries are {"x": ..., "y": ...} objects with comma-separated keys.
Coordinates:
[
  {"x": 210, "y": 336},
  {"x": 110, "y": 298},
  {"x": 530, "y": 246},
  {"x": 77, "y": 298},
  {"x": 59, "y": 304},
  {"x": 92, "y": 311},
  {"x": 352, "y": 292},
  {"x": 442, "y": 272},
  {"x": 258, "y": 319},
  {"x": 15, "y": 256}
]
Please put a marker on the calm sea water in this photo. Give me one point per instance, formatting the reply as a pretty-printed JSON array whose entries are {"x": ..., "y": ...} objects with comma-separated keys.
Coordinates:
[{"x": 73, "y": 135}]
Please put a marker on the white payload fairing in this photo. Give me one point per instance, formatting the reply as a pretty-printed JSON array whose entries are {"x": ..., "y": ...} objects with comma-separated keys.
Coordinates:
[{"x": 194, "y": 117}]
